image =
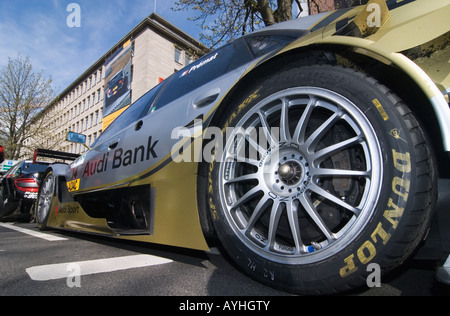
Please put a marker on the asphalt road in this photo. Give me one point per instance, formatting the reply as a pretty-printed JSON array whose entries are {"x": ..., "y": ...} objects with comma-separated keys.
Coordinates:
[{"x": 32, "y": 265}]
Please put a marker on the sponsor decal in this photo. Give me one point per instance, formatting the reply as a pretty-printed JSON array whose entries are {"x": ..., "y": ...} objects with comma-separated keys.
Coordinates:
[
  {"x": 30, "y": 195},
  {"x": 69, "y": 209},
  {"x": 114, "y": 160},
  {"x": 380, "y": 109},
  {"x": 73, "y": 185},
  {"x": 201, "y": 64}
]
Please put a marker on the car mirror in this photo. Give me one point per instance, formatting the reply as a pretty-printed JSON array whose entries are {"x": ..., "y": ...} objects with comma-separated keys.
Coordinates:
[{"x": 76, "y": 138}]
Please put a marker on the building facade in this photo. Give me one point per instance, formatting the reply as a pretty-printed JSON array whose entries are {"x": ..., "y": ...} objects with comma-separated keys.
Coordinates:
[{"x": 148, "y": 54}]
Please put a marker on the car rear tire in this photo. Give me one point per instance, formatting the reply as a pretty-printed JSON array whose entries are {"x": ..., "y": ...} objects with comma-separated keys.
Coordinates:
[
  {"x": 323, "y": 172},
  {"x": 8, "y": 204}
]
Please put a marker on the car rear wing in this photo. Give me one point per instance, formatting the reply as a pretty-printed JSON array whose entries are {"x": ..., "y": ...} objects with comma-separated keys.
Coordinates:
[{"x": 53, "y": 154}]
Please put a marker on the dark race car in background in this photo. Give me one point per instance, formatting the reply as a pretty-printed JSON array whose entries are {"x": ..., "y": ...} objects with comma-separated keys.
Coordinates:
[{"x": 19, "y": 188}]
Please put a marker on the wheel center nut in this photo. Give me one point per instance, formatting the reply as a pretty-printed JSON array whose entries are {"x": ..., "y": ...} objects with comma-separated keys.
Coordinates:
[
  {"x": 285, "y": 171},
  {"x": 290, "y": 172}
]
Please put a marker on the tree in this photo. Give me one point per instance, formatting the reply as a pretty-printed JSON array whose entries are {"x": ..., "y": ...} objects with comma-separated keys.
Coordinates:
[
  {"x": 23, "y": 94},
  {"x": 223, "y": 21},
  {"x": 317, "y": 6},
  {"x": 231, "y": 19}
]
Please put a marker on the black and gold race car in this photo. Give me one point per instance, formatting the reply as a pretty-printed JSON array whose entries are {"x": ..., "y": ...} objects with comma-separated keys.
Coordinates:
[{"x": 309, "y": 150}]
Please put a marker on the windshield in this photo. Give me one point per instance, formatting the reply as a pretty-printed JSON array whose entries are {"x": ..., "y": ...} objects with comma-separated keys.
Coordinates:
[{"x": 137, "y": 110}]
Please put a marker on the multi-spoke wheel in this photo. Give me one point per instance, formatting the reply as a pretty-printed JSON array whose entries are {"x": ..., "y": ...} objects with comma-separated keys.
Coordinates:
[
  {"x": 44, "y": 200},
  {"x": 318, "y": 178},
  {"x": 300, "y": 174}
]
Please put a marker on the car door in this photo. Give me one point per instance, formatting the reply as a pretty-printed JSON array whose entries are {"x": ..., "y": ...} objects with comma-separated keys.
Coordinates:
[
  {"x": 99, "y": 167},
  {"x": 8, "y": 203}
]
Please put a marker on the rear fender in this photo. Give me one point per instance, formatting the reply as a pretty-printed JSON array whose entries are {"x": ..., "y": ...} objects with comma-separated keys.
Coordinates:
[
  {"x": 429, "y": 89},
  {"x": 436, "y": 98}
]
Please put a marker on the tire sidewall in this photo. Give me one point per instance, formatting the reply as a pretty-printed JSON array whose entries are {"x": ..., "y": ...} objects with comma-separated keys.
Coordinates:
[{"x": 376, "y": 242}]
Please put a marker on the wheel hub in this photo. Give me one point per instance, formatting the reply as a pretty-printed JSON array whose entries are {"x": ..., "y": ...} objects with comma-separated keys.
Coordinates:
[
  {"x": 286, "y": 172},
  {"x": 290, "y": 173}
]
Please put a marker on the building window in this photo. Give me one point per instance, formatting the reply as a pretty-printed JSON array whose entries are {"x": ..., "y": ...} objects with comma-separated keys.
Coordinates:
[
  {"x": 178, "y": 55},
  {"x": 188, "y": 59}
]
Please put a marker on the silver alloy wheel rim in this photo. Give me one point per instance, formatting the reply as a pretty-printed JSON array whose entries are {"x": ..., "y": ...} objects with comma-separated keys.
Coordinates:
[
  {"x": 45, "y": 198},
  {"x": 272, "y": 175}
]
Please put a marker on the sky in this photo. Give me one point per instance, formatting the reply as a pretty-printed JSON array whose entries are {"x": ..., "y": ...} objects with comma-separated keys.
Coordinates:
[{"x": 39, "y": 29}]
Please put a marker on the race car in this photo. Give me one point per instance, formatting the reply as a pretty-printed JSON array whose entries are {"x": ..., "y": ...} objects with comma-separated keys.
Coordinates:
[
  {"x": 308, "y": 150},
  {"x": 19, "y": 188}
]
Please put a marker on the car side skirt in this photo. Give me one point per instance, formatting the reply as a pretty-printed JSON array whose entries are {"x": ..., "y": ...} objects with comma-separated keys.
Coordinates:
[{"x": 174, "y": 221}]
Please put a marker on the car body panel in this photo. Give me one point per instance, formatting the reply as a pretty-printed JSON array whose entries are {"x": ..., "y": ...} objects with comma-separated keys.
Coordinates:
[
  {"x": 144, "y": 153},
  {"x": 176, "y": 220},
  {"x": 404, "y": 30}
]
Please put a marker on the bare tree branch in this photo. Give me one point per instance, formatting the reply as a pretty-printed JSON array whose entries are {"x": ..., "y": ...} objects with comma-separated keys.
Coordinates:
[
  {"x": 23, "y": 94},
  {"x": 223, "y": 21}
]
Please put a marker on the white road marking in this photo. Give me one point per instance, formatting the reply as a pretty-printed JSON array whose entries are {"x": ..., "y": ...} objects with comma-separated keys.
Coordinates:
[
  {"x": 64, "y": 270},
  {"x": 33, "y": 233}
]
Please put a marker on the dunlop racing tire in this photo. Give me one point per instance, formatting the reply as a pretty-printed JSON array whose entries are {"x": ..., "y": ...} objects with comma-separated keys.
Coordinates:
[{"x": 323, "y": 172}]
